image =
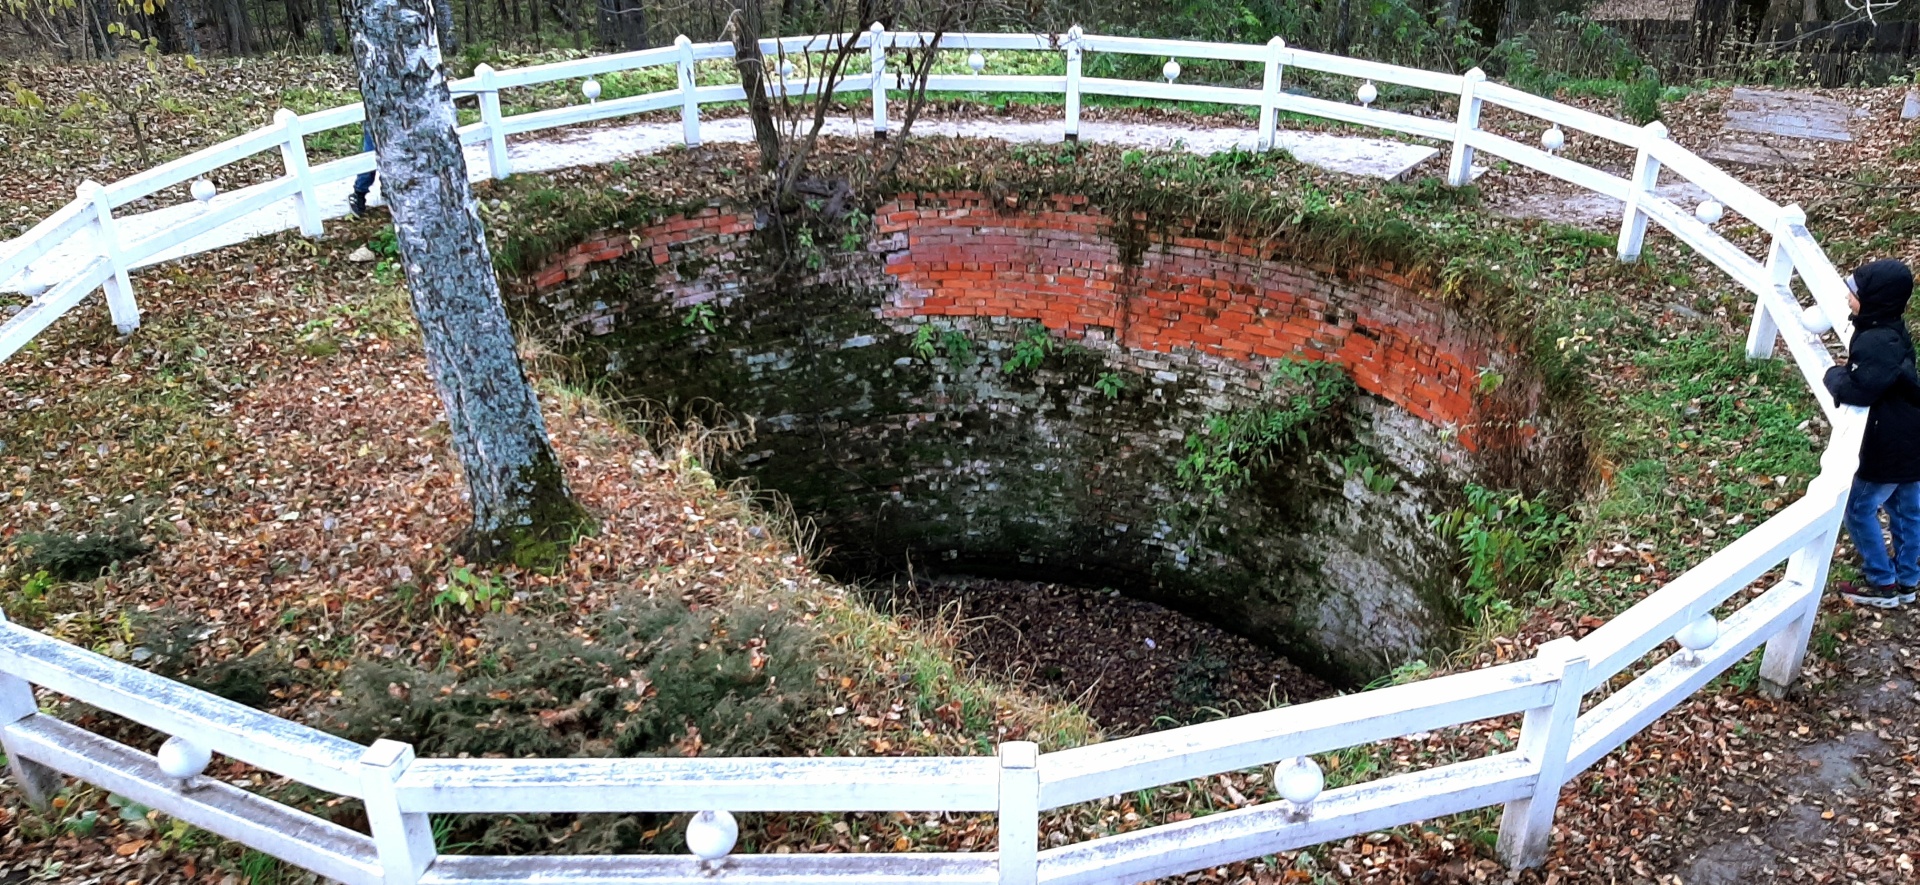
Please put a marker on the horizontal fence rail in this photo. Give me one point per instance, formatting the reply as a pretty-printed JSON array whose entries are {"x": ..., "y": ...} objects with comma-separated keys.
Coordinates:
[{"x": 1761, "y": 590}]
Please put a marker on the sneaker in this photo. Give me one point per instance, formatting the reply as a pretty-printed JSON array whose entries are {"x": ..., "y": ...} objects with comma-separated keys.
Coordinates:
[
  {"x": 1878, "y": 597},
  {"x": 1909, "y": 594},
  {"x": 357, "y": 204}
]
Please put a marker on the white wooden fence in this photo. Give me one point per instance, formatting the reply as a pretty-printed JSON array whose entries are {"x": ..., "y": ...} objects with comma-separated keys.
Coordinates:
[{"x": 1558, "y": 738}]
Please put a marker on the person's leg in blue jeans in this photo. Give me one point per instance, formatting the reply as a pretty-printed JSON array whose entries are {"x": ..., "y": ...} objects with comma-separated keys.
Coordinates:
[
  {"x": 363, "y": 183},
  {"x": 1903, "y": 517},
  {"x": 1863, "y": 526}
]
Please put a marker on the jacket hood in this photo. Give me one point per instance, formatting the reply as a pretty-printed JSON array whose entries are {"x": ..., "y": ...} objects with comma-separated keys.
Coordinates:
[{"x": 1883, "y": 288}]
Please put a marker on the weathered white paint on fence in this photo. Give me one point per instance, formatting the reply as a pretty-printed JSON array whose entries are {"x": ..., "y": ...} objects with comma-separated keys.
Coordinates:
[
  {"x": 914, "y": 783},
  {"x": 400, "y": 791},
  {"x": 302, "y": 839}
]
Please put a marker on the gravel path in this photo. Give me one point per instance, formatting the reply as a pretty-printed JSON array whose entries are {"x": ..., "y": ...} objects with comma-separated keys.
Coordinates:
[{"x": 1373, "y": 157}]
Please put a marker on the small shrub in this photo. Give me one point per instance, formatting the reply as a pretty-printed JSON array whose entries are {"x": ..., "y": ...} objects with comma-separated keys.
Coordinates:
[
  {"x": 1641, "y": 100},
  {"x": 82, "y": 556},
  {"x": 648, "y": 676}
]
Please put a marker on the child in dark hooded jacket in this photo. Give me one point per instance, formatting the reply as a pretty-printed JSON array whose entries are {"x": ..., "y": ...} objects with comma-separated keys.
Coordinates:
[{"x": 1880, "y": 375}]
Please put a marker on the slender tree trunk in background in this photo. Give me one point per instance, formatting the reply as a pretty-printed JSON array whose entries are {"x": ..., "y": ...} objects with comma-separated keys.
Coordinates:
[
  {"x": 443, "y": 26},
  {"x": 745, "y": 27},
  {"x": 1343, "y": 27},
  {"x": 1509, "y": 20},
  {"x": 329, "y": 37},
  {"x": 522, "y": 510},
  {"x": 533, "y": 18}
]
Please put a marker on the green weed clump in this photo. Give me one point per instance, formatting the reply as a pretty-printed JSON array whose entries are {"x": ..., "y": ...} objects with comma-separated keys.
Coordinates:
[
  {"x": 1508, "y": 541},
  {"x": 82, "y": 556},
  {"x": 1234, "y": 445},
  {"x": 1641, "y": 99}
]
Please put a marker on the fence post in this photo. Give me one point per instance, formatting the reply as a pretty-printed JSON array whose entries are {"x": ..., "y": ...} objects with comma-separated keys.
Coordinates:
[
  {"x": 404, "y": 841},
  {"x": 1807, "y": 567},
  {"x": 1762, "y": 335},
  {"x": 689, "y": 105},
  {"x": 1019, "y": 813},
  {"x": 488, "y": 90},
  {"x": 1546, "y": 734},
  {"x": 1073, "y": 82},
  {"x": 1646, "y": 176},
  {"x": 293, "y": 155},
  {"x": 1270, "y": 93},
  {"x": 119, "y": 289},
  {"x": 877, "y": 51},
  {"x": 1460, "y": 164},
  {"x": 37, "y": 782}
]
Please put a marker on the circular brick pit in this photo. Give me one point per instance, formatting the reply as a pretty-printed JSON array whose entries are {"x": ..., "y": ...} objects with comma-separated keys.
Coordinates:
[{"x": 904, "y": 396}]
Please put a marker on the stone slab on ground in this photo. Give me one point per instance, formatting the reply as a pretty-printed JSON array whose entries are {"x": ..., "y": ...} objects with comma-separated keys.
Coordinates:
[
  {"x": 1582, "y": 208},
  {"x": 1910, "y": 108},
  {"x": 1352, "y": 155},
  {"x": 1780, "y": 128}
]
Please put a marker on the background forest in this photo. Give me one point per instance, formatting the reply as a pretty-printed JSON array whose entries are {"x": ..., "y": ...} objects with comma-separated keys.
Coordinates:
[{"x": 1528, "y": 42}]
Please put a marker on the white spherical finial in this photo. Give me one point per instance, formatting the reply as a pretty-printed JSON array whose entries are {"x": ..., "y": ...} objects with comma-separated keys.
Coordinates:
[
  {"x": 786, "y": 68},
  {"x": 1170, "y": 70},
  {"x": 977, "y": 62},
  {"x": 1698, "y": 634},
  {"x": 1553, "y": 140},
  {"x": 285, "y": 117},
  {"x": 591, "y": 89},
  {"x": 1299, "y": 780},
  {"x": 1367, "y": 93},
  {"x": 203, "y": 190},
  {"x": 711, "y": 834},
  {"x": 1710, "y": 212},
  {"x": 1657, "y": 129},
  {"x": 180, "y": 758},
  {"x": 31, "y": 287},
  {"x": 683, "y": 41},
  {"x": 1816, "y": 320},
  {"x": 1074, "y": 33},
  {"x": 878, "y": 28}
]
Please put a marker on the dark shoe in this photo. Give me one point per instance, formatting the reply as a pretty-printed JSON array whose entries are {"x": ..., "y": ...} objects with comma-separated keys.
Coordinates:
[
  {"x": 1878, "y": 597},
  {"x": 357, "y": 204}
]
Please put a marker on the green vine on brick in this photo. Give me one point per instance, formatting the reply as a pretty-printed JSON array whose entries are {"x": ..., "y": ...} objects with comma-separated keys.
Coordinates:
[
  {"x": 1223, "y": 457},
  {"x": 1029, "y": 351}
]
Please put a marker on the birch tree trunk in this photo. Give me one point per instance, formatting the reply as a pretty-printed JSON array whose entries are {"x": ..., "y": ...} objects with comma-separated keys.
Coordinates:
[{"x": 522, "y": 510}]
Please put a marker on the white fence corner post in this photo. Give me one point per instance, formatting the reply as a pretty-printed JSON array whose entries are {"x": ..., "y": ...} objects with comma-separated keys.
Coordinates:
[
  {"x": 689, "y": 103},
  {"x": 1074, "y": 51},
  {"x": 1460, "y": 164},
  {"x": 1646, "y": 176},
  {"x": 119, "y": 288},
  {"x": 1786, "y": 650},
  {"x": 1270, "y": 94},
  {"x": 293, "y": 155},
  {"x": 404, "y": 841},
  {"x": 488, "y": 89},
  {"x": 1764, "y": 333},
  {"x": 1019, "y": 858},
  {"x": 1546, "y": 736},
  {"x": 877, "y": 51},
  {"x": 37, "y": 782}
]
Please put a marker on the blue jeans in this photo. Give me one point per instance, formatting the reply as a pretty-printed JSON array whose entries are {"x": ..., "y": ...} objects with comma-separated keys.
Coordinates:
[
  {"x": 1902, "y": 503},
  {"x": 364, "y": 181}
]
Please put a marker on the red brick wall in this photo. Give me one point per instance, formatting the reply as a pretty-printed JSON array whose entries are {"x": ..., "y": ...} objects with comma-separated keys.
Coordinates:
[{"x": 1057, "y": 262}]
